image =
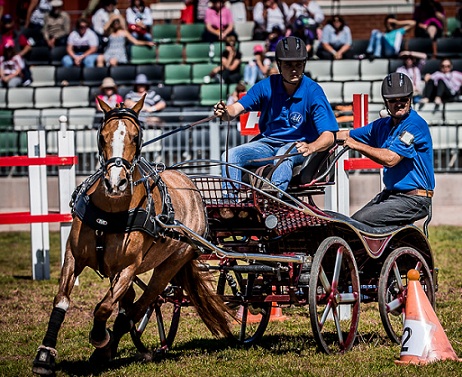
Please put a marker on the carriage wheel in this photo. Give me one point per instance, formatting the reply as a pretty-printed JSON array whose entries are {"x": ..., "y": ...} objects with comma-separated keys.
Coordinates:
[
  {"x": 167, "y": 309},
  {"x": 251, "y": 318},
  {"x": 393, "y": 288},
  {"x": 334, "y": 296}
]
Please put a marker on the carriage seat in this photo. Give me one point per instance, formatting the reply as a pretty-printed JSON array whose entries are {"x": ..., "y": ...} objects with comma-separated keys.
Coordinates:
[
  {"x": 302, "y": 175},
  {"x": 361, "y": 226}
]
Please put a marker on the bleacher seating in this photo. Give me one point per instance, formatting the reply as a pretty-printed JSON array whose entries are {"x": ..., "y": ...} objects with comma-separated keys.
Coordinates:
[{"x": 176, "y": 70}]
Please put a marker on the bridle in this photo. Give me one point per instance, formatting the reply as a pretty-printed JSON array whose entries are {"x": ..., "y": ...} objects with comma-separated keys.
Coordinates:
[{"x": 120, "y": 113}]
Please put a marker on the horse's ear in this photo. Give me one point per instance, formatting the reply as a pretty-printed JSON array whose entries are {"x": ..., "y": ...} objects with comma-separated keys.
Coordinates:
[
  {"x": 139, "y": 105},
  {"x": 104, "y": 106}
]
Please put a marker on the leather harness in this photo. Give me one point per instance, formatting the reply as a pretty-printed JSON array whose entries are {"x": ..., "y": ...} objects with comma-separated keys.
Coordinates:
[{"x": 142, "y": 219}]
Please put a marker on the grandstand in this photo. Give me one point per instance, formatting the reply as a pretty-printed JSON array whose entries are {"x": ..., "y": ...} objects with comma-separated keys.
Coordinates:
[{"x": 59, "y": 91}]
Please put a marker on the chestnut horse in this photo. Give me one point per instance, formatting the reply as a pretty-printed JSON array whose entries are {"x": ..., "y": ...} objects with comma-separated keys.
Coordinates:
[{"x": 114, "y": 232}]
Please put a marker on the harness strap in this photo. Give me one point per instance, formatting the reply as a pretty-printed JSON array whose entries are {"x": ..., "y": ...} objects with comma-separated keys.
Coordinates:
[{"x": 100, "y": 251}]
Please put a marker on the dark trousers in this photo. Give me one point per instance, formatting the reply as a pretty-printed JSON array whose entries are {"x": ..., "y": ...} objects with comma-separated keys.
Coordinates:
[
  {"x": 393, "y": 209},
  {"x": 441, "y": 90}
]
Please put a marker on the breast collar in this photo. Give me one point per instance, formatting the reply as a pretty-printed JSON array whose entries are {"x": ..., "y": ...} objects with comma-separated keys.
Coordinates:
[{"x": 135, "y": 219}]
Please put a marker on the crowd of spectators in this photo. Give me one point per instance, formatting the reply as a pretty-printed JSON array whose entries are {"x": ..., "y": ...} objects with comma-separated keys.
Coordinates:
[{"x": 104, "y": 33}]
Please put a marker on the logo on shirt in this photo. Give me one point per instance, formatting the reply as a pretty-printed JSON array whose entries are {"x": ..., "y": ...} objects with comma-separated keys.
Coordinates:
[{"x": 295, "y": 119}]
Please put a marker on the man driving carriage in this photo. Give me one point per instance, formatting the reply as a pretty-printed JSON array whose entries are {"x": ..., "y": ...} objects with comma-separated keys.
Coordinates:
[
  {"x": 402, "y": 144},
  {"x": 295, "y": 113}
]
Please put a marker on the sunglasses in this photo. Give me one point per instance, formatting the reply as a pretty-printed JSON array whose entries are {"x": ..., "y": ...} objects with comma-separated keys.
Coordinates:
[
  {"x": 445, "y": 66},
  {"x": 396, "y": 100}
]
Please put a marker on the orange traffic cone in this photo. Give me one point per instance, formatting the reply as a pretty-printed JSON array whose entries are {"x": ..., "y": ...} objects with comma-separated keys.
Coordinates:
[
  {"x": 250, "y": 318},
  {"x": 424, "y": 340},
  {"x": 276, "y": 310},
  {"x": 276, "y": 313}
]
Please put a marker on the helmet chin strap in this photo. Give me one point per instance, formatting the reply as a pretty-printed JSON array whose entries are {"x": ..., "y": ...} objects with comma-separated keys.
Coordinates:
[
  {"x": 287, "y": 81},
  {"x": 397, "y": 117}
]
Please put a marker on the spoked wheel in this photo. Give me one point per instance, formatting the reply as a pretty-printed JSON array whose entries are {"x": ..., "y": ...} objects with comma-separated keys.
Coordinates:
[
  {"x": 393, "y": 288},
  {"x": 167, "y": 310},
  {"x": 241, "y": 292},
  {"x": 334, "y": 296}
]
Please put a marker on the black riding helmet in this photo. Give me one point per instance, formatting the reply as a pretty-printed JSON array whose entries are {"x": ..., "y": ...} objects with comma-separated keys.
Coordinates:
[
  {"x": 397, "y": 85},
  {"x": 291, "y": 49}
]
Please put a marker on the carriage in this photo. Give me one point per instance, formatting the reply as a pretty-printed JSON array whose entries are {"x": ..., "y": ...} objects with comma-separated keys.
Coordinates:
[{"x": 265, "y": 247}]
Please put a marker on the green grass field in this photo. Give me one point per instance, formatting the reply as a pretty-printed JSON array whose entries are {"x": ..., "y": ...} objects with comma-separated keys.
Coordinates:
[{"x": 287, "y": 349}]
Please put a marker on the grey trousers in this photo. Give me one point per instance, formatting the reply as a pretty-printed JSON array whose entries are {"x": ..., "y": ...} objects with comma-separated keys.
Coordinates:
[{"x": 388, "y": 208}]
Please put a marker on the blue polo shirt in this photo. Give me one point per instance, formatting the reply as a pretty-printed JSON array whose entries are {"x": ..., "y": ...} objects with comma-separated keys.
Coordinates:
[
  {"x": 303, "y": 116},
  {"x": 416, "y": 168}
]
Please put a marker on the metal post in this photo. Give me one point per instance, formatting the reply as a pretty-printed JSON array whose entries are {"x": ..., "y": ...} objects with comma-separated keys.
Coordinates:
[
  {"x": 38, "y": 199},
  {"x": 66, "y": 179}
]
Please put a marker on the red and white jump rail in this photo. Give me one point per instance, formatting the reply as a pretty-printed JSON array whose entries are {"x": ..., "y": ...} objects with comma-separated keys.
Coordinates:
[
  {"x": 337, "y": 197},
  {"x": 39, "y": 216}
]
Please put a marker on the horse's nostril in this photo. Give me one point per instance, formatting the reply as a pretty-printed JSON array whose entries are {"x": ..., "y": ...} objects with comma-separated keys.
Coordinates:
[
  {"x": 107, "y": 184},
  {"x": 123, "y": 184}
]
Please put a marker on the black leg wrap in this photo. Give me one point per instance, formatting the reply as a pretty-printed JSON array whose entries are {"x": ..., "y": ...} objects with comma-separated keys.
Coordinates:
[{"x": 56, "y": 319}]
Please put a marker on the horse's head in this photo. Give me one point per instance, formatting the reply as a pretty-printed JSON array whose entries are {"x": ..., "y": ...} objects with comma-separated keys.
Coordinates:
[{"x": 119, "y": 145}]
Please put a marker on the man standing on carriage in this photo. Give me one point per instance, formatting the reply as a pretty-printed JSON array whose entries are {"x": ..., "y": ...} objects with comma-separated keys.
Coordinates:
[
  {"x": 295, "y": 113},
  {"x": 402, "y": 144}
]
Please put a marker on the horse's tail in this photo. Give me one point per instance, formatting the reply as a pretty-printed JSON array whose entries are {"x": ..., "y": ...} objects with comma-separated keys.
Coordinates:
[{"x": 208, "y": 304}]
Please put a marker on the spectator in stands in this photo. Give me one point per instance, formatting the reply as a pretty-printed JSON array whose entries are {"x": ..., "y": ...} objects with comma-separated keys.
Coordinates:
[
  {"x": 188, "y": 13},
  {"x": 413, "y": 62},
  {"x": 152, "y": 103},
  {"x": 402, "y": 144},
  {"x": 295, "y": 113},
  {"x": 310, "y": 10},
  {"x": 201, "y": 8},
  {"x": 336, "y": 40},
  {"x": 11, "y": 67},
  {"x": 441, "y": 86},
  {"x": 115, "y": 52},
  {"x": 139, "y": 20},
  {"x": 258, "y": 68},
  {"x": 239, "y": 11},
  {"x": 430, "y": 18},
  {"x": 82, "y": 46},
  {"x": 35, "y": 19},
  {"x": 235, "y": 95},
  {"x": 387, "y": 44},
  {"x": 273, "y": 38},
  {"x": 108, "y": 93},
  {"x": 267, "y": 14},
  {"x": 218, "y": 22},
  {"x": 57, "y": 25},
  {"x": 2, "y": 7},
  {"x": 230, "y": 68},
  {"x": 101, "y": 17},
  {"x": 303, "y": 28},
  {"x": 9, "y": 34}
]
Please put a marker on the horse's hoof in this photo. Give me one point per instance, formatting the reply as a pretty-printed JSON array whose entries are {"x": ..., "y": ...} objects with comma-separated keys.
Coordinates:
[
  {"x": 102, "y": 355},
  {"x": 100, "y": 343},
  {"x": 44, "y": 362}
]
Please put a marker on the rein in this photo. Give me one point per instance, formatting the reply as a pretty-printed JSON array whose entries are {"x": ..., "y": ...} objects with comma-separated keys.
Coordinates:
[{"x": 181, "y": 128}]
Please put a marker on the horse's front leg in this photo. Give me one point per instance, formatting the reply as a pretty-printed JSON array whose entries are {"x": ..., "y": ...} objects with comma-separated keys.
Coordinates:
[
  {"x": 44, "y": 362},
  {"x": 100, "y": 337}
]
